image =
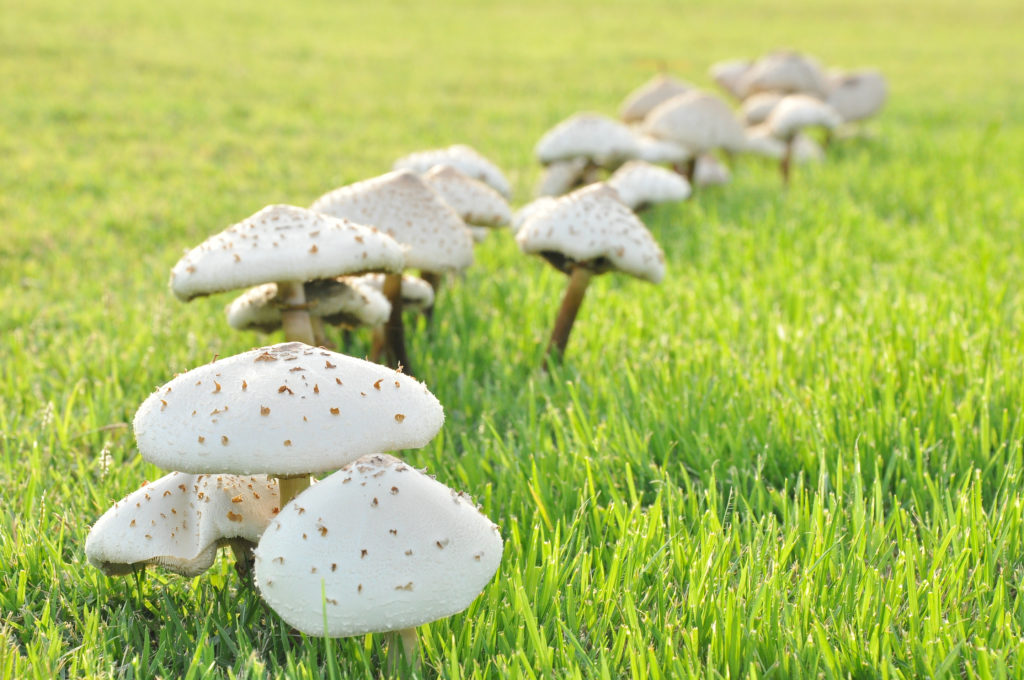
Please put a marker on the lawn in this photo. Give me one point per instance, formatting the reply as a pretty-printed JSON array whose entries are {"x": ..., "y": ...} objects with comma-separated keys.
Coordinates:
[{"x": 801, "y": 455}]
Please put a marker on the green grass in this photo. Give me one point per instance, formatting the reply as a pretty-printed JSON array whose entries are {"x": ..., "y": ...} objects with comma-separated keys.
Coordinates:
[{"x": 801, "y": 455}]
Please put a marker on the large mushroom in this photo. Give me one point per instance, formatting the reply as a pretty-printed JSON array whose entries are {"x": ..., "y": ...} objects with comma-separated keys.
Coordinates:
[
  {"x": 585, "y": 233},
  {"x": 288, "y": 246},
  {"x": 403, "y": 205},
  {"x": 286, "y": 410},
  {"x": 376, "y": 547}
]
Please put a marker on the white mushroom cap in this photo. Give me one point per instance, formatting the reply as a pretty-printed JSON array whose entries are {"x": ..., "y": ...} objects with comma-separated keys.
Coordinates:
[
  {"x": 856, "y": 95},
  {"x": 178, "y": 522},
  {"x": 727, "y": 74},
  {"x": 593, "y": 136},
  {"x": 697, "y": 120},
  {"x": 654, "y": 150},
  {"x": 282, "y": 410},
  {"x": 416, "y": 293},
  {"x": 591, "y": 227},
  {"x": 402, "y": 205},
  {"x": 709, "y": 171},
  {"x": 375, "y": 547},
  {"x": 461, "y": 157},
  {"x": 757, "y": 107},
  {"x": 639, "y": 183},
  {"x": 761, "y": 142},
  {"x": 784, "y": 72},
  {"x": 642, "y": 100},
  {"x": 798, "y": 111},
  {"x": 475, "y": 202},
  {"x": 525, "y": 212},
  {"x": 336, "y": 301},
  {"x": 282, "y": 243},
  {"x": 561, "y": 176}
]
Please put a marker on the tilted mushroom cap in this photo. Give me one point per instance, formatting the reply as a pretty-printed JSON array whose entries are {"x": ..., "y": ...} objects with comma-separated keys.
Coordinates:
[
  {"x": 525, "y": 212},
  {"x": 591, "y": 227},
  {"x": 709, "y": 171},
  {"x": 857, "y": 95},
  {"x": 178, "y": 522},
  {"x": 640, "y": 183},
  {"x": 784, "y": 72},
  {"x": 475, "y": 202},
  {"x": 642, "y": 100},
  {"x": 461, "y": 157},
  {"x": 282, "y": 243},
  {"x": 402, "y": 205},
  {"x": 757, "y": 107},
  {"x": 375, "y": 547},
  {"x": 728, "y": 74},
  {"x": 697, "y": 120},
  {"x": 417, "y": 294},
  {"x": 593, "y": 136},
  {"x": 798, "y": 111},
  {"x": 282, "y": 410},
  {"x": 336, "y": 301},
  {"x": 654, "y": 150},
  {"x": 561, "y": 176}
]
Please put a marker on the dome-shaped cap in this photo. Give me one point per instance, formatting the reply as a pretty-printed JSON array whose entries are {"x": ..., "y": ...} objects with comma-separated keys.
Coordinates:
[
  {"x": 697, "y": 120},
  {"x": 402, "y": 205},
  {"x": 591, "y": 227},
  {"x": 728, "y": 74},
  {"x": 416, "y": 293},
  {"x": 474, "y": 201},
  {"x": 654, "y": 150},
  {"x": 784, "y": 72},
  {"x": 282, "y": 410},
  {"x": 639, "y": 183},
  {"x": 178, "y": 521},
  {"x": 461, "y": 157},
  {"x": 593, "y": 136},
  {"x": 857, "y": 95},
  {"x": 757, "y": 107},
  {"x": 336, "y": 301},
  {"x": 375, "y": 547},
  {"x": 798, "y": 111},
  {"x": 282, "y": 243},
  {"x": 642, "y": 100}
]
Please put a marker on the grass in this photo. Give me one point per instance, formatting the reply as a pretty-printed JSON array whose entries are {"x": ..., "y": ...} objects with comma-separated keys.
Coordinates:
[{"x": 801, "y": 455}]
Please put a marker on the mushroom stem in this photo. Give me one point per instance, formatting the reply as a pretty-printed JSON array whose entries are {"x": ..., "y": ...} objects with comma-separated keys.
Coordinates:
[
  {"x": 786, "y": 162},
  {"x": 687, "y": 169},
  {"x": 242, "y": 550},
  {"x": 319, "y": 336},
  {"x": 378, "y": 343},
  {"x": 434, "y": 279},
  {"x": 294, "y": 315},
  {"x": 578, "y": 280},
  {"x": 403, "y": 651},
  {"x": 290, "y": 487},
  {"x": 394, "y": 331}
]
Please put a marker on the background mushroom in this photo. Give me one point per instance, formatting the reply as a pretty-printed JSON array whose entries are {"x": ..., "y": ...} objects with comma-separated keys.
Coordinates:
[
  {"x": 794, "y": 113},
  {"x": 699, "y": 121},
  {"x": 640, "y": 184},
  {"x": 463, "y": 158},
  {"x": 604, "y": 143},
  {"x": 642, "y": 100}
]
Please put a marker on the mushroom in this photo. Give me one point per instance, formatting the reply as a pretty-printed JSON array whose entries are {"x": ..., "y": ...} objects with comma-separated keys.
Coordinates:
[
  {"x": 654, "y": 150},
  {"x": 785, "y": 72},
  {"x": 757, "y": 107},
  {"x": 642, "y": 100},
  {"x": 531, "y": 208},
  {"x": 344, "y": 301},
  {"x": 602, "y": 141},
  {"x": 856, "y": 95},
  {"x": 464, "y": 158},
  {"x": 728, "y": 74},
  {"x": 376, "y": 547},
  {"x": 417, "y": 296},
  {"x": 585, "y": 233},
  {"x": 698, "y": 121},
  {"x": 794, "y": 113},
  {"x": 761, "y": 142},
  {"x": 285, "y": 245},
  {"x": 640, "y": 184},
  {"x": 476, "y": 203},
  {"x": 179, "y": 521},
  {"x": 404, "y": 206},
  {"x": 287, "y": 410},
  {"x": 560, "y": 177}
]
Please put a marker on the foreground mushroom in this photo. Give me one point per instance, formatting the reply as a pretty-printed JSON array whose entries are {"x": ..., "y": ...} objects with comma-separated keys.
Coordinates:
[
  {"x": 376, "y": 547},
  {"x": 585, "y": 233}
]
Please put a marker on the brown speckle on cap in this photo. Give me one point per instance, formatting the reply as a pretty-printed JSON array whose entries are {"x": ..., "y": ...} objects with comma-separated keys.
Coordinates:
[
  {"x": 284, "y": 388},
  {"x": 264, "y": 410},
  {"x": 234, "y": 516},
  {"x": 202, "y": 439},
  {"x": 399, "y": 417},
  {"x": 224, "y": 439}
]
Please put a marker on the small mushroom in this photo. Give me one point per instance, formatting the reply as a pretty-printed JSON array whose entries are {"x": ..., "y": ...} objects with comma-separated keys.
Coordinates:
[
  {"x": 793, "y": 114},
  {"x": 642, "y": 100},
  {"x": 698, "y": 121},
  {"x": 640, "y": 184},
  {"x": 604, "y": 143},
  {"x": 463, "y": 158}
]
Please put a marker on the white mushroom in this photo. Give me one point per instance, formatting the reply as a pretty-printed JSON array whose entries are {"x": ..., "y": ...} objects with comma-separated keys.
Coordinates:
[
  {"x": 728, "y": 74},
  {"x": 794, "y": 113},
  {"x": 561, "y": 177},
  {"x": 640, "y": 184},
  {"x": 602, "y": 141},
  {"x": 856, "y": 95},
  {"x": 642, "y": 100},
  {"x": 474, "y": 201},
  {"x": 461, "y": 157},
  {"x": 785, "y": 72},
  {"x": 698, "y": 121}
]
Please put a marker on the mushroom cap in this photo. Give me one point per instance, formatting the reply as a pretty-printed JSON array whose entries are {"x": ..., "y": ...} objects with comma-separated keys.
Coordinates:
[
  {"x": 654, "y": 150},
  {"x": 417, "y": 294},
  {"x": 728, "y": 74},
  {"x": 282, "y": 243},
  {"x": 709, "y": 171},
  {"x": 642, "y": 100},
  {"x": 531, "y": 208},
  {"x": 593, "y": 136},
  {"x": 786, "y": 72},
  {"x": 402, "y": 205},
  {"x": 475, "y": 201},
  {"x": 857, "y": 95},
  {"x": 757, "y": 107},
  {"x": 591, "y": 227},
  {"x": 561, "y": 176},
  {"x": 342, "y": 301},
  {"x": 798, "y": 111},
  {"x": 697, "y": 120},
  {"x": 640, "y": 183},
  {"x": 375, "y": 547},
  {"x": 461, "y": 157},
  {"x": 178, "y": 522},
  {"x": 282, "y": 410}
]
